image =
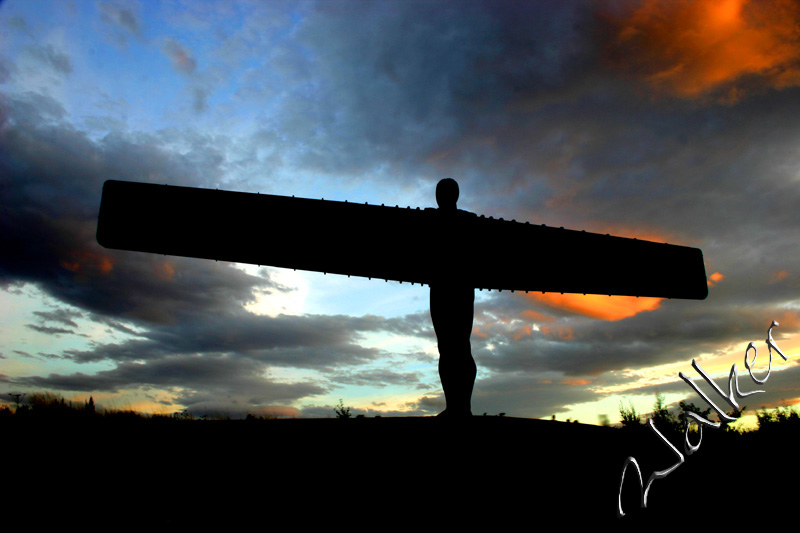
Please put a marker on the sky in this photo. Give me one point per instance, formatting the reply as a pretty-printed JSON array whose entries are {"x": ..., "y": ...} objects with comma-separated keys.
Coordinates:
[{"x": 666, "y": 120}]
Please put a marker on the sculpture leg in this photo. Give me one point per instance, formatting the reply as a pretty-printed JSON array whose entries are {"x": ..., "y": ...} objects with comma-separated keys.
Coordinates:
[
  {"x": 452, "y": 311},
  {"x": 457, "y": 370}
]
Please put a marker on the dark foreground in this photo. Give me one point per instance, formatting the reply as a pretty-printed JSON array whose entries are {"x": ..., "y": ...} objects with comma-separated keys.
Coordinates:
[{"x": 489, "y": 473}]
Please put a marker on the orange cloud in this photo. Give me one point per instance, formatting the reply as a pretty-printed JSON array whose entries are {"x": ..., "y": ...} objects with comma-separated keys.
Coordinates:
[
  {"x": 598, "y": 306},
  {"x": 478, "y": 333},
  {"x": 536, "y": 316},
  {"x": 524, "y": 331},
  {"x": 86, "y": 262},
  {"x": 695, "y": 48},
  {"x": 164, "y": 271},
  {"x": 576, "y": 382},
  {"x": 640, "y": 232},
  {"x": 715, "y": 278},
  {"x": 778, "y": 276}
]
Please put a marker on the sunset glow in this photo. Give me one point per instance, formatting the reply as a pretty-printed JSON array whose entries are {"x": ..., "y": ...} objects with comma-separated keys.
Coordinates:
[
  {"x": 597, "y": 305},
  {"x": 691, "y": 49}
]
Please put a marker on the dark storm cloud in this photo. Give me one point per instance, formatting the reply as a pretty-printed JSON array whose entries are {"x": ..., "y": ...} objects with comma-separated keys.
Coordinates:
[
  {"x": 515, "y": 100},
  {"x": 223, "y": 375},
  {"x": 579, "y": 346},
  {"x": 376, "y": 378},
  {"x": 696, "y": 186},
  {"x": 52, "y": 177},
  {"x": 675, "y": 333},
  {"x": 211, "y": 358},
  {"x": 413, "y": 79},
  {"x": 412, "y": 325},
  {"x": 311, "y": 341},
  {"x": 524, "y": 395}
]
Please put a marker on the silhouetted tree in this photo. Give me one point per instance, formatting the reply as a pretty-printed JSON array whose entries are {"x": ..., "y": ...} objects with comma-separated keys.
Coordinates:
[
  {"x": 662, "y": 417},
  {"x": 342, "y": 411},
  {"x": 49, "y": 404},
  {"x": 782, "y": 417},
  {"x": 629, "y": 417}
]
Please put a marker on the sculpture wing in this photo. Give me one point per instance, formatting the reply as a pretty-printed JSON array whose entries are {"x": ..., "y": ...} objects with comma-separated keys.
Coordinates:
[{"x": 393, "y": 243}]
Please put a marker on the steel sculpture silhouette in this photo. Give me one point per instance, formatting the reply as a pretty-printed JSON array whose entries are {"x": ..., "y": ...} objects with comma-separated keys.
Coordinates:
[{"x": 452, "y": 251}]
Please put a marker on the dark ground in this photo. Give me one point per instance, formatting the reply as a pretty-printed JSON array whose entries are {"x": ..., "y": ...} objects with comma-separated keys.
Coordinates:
[{"x": 491, "y": 473}]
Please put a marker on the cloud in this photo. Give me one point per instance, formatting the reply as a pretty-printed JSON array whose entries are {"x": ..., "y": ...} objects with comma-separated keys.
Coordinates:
[
  {"x": 309, "y": 341},
  {"x": 522, "y": 395},
  {"x": 722, "y": 48},
  {"x": 377, "y": 378},
  {"x": 715, "y": 278},
  {"x": 48, "y": 229},
  {"x": 780, "y": 275},
  {"x": 61, "y": 316},
  {"x": 599, "y": 306},
  {"x": 578, "y": 346},
  {"x": 193, "y": 377},
  {"x": 181, "y": 57},
  {"x": 123, "y": 17},
  {"x": 413, "y": 80},
  {"x": 121, "y": 21},
  {"x": 49, "y": 330},
  {"x": 47, "y": 55},
  {"x": 576, "y": 382}
]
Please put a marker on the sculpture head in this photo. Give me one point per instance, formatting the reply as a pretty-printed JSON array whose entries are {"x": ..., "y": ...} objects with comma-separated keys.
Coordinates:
[{"x": 447, "y": 194}]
